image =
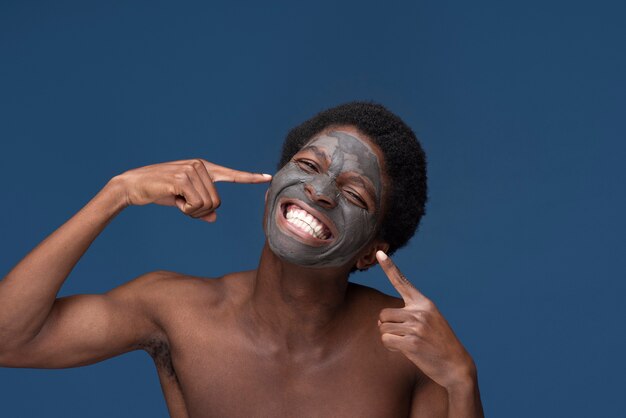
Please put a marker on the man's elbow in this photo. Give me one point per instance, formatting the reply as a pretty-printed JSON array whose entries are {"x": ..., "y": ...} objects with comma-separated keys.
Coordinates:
[{"x": 11, "y": 342}]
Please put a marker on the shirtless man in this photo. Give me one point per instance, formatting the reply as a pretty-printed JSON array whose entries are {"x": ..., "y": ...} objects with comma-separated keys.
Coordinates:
[{"x": 292, "y": 338}]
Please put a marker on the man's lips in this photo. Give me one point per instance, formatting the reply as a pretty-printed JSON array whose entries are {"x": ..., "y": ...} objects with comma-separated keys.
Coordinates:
[{"x": 304, "y": 236}]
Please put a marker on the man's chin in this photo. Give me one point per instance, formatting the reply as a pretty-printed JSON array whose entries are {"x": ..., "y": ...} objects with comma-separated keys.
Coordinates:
[{"x": 309, "y": 261}]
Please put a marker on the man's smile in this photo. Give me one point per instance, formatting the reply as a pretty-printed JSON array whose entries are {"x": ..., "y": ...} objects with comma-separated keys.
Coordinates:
[{"x": 307, "y": 225}]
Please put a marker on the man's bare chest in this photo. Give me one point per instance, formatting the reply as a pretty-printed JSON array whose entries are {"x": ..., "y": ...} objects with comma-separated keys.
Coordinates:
[{"x": 221, "y": 372}]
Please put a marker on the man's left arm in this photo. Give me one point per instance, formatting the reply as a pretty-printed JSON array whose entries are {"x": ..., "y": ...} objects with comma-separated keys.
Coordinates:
[
  {"x": 419, "y": 331},
  {"x": 431, "y": 400},
  {"x": 464, "y": 400}
]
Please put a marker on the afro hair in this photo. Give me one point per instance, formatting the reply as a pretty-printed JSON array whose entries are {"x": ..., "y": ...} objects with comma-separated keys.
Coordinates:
[{"x": 405, "y": 162}]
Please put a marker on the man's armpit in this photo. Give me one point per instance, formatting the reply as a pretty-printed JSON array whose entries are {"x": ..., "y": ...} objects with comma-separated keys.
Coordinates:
[{"x": 159, "y": 350}]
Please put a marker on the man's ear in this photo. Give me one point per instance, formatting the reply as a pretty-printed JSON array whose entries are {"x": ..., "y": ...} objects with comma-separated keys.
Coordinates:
[
  {"x": 368, "y": 259},
  {"x": 266, "y": 192}
]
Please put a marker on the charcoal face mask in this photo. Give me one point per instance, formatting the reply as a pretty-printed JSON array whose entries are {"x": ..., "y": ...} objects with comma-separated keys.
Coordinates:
[{"x": 353, "y": 226}]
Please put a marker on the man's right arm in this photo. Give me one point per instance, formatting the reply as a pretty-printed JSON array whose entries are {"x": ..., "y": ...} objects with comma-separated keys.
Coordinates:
[
  {"x": 28, "y": 292},
  {"x": 39, "y": 330},
  {"x": 85, "y": 329}
]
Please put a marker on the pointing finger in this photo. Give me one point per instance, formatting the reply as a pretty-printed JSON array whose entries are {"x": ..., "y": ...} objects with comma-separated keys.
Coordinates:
[
  {"x": 219, "y": 173},
  {"x": 406, "y": 289}
]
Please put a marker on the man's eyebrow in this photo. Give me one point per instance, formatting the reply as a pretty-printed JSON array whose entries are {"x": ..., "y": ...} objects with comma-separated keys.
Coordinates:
[
  {"x": 318, "y": 153},
  {"x": 365, "y": 184}
]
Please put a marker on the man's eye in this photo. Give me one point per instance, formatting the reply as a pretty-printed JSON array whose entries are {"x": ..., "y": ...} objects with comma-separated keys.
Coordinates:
[
  {"x": 308, "y": 165},
  {"x": 357, "y": 197}
]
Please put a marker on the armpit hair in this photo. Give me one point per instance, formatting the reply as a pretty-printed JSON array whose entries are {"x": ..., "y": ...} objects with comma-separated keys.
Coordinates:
[{"x": 159, "y": 350}]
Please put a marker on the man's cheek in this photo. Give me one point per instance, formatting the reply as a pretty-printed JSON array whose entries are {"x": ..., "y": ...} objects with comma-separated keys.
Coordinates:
[{"x": 358, "y": 227}]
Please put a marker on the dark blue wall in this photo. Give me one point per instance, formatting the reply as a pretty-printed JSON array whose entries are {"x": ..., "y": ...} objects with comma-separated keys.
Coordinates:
[{"x": 520, "y": 108}]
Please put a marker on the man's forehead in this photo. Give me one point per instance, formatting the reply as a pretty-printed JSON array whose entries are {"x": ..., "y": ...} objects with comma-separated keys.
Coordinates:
[{"x": 336, "y": 139}]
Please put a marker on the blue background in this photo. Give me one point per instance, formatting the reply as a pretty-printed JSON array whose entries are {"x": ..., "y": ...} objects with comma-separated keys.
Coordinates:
[{"x": 519, "y": 106}]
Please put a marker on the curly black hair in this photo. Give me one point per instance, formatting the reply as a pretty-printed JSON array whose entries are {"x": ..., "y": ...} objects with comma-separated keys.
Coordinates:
[{"x": 405, "y": 162}]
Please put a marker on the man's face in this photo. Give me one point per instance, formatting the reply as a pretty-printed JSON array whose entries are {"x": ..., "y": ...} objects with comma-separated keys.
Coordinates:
[{"x": 324, "y": 206}]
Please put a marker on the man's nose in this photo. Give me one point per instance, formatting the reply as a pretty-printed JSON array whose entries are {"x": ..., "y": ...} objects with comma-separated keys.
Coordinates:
[{"x": 322, "y": 191}]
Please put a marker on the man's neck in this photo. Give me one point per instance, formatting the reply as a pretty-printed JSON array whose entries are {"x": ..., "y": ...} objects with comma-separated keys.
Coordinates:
[{"x": 297, "y": 307}]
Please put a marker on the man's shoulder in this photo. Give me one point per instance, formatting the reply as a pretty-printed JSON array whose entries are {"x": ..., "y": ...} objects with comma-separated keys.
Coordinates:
[
  {"x": 162, "y": 287},
  {"x": 167, "y": 277},
  {"x": 369, "y": 296}
]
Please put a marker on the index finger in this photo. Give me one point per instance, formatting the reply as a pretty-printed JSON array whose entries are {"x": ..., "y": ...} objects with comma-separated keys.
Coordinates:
[
  {"x": 220, "y": 173},
  {"x": 406, "y": 289}
]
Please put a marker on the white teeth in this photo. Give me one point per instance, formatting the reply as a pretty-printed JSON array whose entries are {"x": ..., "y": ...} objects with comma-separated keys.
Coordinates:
[
  {"x": 306, "y": 222},
  {"x": 305, "y": 227}
]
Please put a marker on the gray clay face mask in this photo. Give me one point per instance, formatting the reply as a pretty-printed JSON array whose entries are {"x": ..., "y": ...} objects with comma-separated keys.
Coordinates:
[{"x": 323, "y": 206}]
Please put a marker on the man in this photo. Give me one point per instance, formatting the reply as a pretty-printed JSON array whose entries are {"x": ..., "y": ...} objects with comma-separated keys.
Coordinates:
[{"x": 292, "y": 338}]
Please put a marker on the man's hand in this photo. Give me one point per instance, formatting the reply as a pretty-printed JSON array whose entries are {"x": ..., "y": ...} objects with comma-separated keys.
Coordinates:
[
  {"x": 422, "y": 334},
  {"x": 187, "y": 184}
]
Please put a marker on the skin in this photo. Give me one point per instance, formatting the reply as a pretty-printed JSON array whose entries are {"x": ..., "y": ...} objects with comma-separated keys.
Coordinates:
[
  {"x": 290, "y": 338},
  {"x": 339, "y": 177}
]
